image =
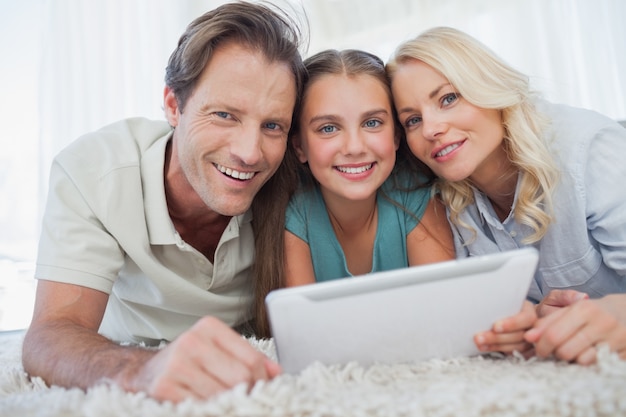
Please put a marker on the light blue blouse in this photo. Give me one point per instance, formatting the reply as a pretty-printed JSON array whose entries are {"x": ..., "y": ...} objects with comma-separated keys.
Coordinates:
[
  {"x": 585, "y": 248},
  {"x": 307, "y": 218}
]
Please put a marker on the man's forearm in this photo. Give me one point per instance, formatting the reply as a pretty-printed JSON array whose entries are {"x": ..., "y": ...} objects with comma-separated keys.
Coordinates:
[{"x": 66, "y": 354}]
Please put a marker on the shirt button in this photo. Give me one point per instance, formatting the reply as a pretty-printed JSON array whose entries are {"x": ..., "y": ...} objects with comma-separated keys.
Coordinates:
[{"x": 513, "y": 233}]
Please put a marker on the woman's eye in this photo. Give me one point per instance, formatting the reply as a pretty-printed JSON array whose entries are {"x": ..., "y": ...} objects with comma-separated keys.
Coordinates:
[
  {"x": 412, "y": 121},
  {"x": 372, "y": 123},
  {"x": 328, "y": 129},
  {"x": 449, "y": 99},
  {"x": 272, "y": 126}
]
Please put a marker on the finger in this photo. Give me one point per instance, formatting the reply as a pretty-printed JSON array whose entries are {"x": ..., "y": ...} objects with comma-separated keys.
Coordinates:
[
  {"x": 575, "y": 345},
  {"x": 507, "y": 347},
  {"x": 172, "y": 392},
  {"x": 492, "y": 338},
  {"x": 557, "y": 299},
  {"x": 558, "y": 331},
  {"x": 175, "y": 374},
  {"x": 226, "y": 356},
  {"x": 500, "y": 342},
  {"x": 272, "y": 368},
  {"x": 536, "y": 332},
  {"x": 521, "y": 321},
  {"x": 192, "y": 383},
  {"x": 588, "y": 356},
  {"x": 242, "y": 353}
]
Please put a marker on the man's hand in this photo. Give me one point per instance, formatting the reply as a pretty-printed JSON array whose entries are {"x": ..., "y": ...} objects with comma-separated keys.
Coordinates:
[
  {"x": 507, "y": 335},
  {"x": 207, "y": 359},
  {"x": 62, "y": 345}
]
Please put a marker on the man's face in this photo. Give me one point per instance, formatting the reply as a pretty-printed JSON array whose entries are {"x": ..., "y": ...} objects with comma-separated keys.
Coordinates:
[{"x": 232, "y": 134}]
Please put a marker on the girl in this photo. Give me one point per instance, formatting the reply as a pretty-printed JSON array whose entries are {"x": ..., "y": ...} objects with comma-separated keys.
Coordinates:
[{"x": 349, "y": 217}]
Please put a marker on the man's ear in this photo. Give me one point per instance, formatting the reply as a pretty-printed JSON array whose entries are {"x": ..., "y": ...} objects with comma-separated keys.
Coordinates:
[
  {"x": 297, "y": 146},
  {"x": 170, "y": 104}
]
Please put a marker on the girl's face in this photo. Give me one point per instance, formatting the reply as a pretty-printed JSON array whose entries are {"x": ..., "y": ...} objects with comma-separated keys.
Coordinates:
[
  {"x": 347, "y": 135},
  {"x": 456, "y": 139}
]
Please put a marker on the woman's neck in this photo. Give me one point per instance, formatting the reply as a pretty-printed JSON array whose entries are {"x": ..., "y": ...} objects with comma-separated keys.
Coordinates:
[{"x": 497, "y": 180}]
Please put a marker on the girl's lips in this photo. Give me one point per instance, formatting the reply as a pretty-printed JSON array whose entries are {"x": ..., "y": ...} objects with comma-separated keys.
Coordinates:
[{"x": 354, "y": 169}]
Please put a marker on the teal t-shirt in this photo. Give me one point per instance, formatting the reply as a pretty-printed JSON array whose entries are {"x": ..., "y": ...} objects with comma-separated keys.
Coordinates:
[{"x": 308, "y": 219}]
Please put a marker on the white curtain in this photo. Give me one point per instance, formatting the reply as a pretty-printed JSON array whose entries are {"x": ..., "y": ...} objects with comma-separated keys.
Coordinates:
[
  {"x": 573, "y": 50},
  {"x": 98, "y": 61}
]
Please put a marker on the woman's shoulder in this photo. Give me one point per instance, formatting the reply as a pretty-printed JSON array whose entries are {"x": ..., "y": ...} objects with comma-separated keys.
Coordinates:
[{"x": 575, "y": 123}]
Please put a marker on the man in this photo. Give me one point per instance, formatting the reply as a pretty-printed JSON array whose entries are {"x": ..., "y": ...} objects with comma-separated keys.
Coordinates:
[{"x": 147, "y": 235}]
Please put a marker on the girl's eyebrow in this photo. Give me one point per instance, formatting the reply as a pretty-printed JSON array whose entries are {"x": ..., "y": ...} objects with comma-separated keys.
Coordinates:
[{"x": 323, "y": 118}]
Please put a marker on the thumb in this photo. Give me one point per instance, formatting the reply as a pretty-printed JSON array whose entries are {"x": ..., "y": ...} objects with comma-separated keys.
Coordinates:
[
  {"x": 272, "y": 368},
  {"x": 557, "y": 299}
]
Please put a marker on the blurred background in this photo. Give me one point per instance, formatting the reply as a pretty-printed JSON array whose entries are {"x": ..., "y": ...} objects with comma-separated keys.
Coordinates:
[{"x": 72, "y": 66}]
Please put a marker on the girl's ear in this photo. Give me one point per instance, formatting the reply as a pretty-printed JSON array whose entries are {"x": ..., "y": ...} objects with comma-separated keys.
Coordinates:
[{"x": 297, "y": 145}]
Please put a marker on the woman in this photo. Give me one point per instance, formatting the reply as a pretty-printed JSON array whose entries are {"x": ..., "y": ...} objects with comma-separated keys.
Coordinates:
[{"x": 514, "y": 170}]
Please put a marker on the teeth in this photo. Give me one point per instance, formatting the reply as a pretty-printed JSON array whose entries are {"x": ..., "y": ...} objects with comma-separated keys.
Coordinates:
[
  {"x": 447, "y": 150},
  {"x": 234, "y": 173},
  {"x": 355, "y": 170}
]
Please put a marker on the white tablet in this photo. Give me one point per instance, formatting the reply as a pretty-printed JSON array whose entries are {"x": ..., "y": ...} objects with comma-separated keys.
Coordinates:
[{"x": 409, "y": 314}]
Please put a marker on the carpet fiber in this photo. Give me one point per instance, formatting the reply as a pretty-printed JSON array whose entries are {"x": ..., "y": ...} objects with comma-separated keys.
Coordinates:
[{"x": 468, "y": 387}]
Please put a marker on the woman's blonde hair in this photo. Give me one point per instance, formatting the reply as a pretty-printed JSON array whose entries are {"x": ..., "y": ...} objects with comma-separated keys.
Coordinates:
[{"x": 486, "y": 81}]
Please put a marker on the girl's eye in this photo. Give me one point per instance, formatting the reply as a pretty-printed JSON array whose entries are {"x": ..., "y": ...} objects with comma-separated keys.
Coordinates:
[
  {"x": 328, "y": 129},
  {"x": 449, "y": 99},
  {"x": 372, "y": 123},
  {"x": 412, "y": 121}
]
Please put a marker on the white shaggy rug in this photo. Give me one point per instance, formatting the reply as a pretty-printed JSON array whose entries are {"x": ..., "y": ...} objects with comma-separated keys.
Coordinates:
[{"x": 468, "y": 387}]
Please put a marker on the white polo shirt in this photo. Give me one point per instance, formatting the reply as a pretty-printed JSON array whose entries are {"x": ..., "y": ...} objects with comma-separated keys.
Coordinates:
[{"x": 106, "y": 226}]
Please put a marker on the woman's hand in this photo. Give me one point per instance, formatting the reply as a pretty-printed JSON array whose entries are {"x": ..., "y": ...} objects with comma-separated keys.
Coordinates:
[
  {"x": 507, "y": 335},
  {"x": 573, "y": 332}
]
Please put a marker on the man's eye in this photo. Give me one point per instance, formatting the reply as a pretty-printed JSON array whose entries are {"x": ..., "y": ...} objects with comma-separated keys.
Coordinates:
[{"x": 222, "y": 114}]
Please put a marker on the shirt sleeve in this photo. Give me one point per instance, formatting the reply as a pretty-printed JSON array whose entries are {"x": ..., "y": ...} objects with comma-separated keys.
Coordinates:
[
  {"x": 604, "y": 175},
  {"x": 74, "y": 246}
]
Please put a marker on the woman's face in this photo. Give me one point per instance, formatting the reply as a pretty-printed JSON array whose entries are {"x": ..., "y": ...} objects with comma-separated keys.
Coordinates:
[
  {"x": 347, "y": 135},
  {"x": 456, "y": 139}
]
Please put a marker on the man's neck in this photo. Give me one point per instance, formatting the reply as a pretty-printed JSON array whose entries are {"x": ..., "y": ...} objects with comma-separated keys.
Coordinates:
[{"x": 198, "y": 225}]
